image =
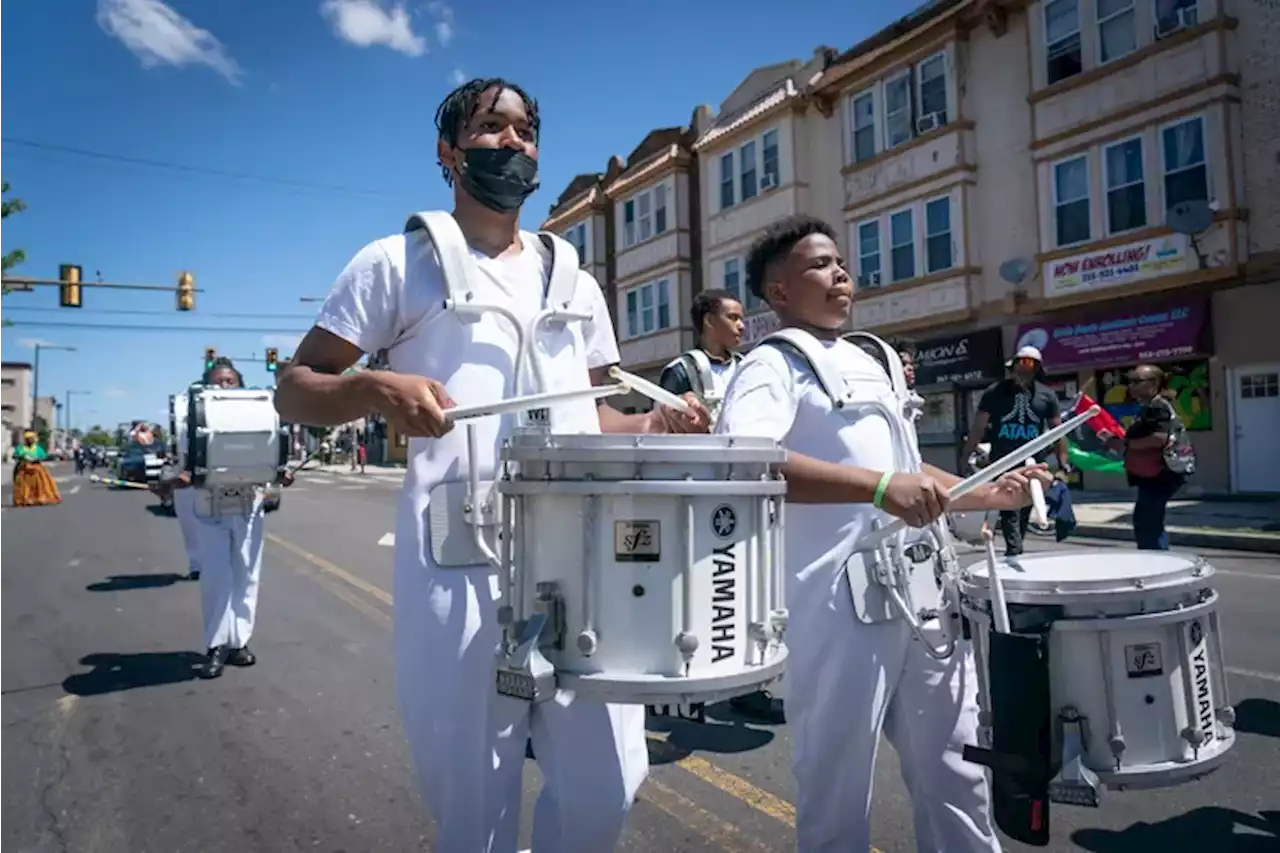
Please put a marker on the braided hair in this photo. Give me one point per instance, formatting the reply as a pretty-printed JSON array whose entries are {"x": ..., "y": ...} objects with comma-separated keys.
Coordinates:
[
  {"x": 461, "y": 105},
  {"x": 221, "y": 363}
]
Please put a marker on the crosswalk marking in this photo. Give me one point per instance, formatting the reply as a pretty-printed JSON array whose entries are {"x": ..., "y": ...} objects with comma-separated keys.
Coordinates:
[{"x": 388, "y": 540}]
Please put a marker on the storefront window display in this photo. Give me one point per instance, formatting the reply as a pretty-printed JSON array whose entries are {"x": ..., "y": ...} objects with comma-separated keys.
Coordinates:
[{"x": 1188, "y": 380}]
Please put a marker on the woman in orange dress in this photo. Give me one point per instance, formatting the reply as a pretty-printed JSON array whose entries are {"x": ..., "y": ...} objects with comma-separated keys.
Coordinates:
[{"x": 32, "y": 483}]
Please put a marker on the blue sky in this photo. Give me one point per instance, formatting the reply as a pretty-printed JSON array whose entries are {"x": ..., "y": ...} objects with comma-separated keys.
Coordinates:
[{"x": 338, "y": 93}]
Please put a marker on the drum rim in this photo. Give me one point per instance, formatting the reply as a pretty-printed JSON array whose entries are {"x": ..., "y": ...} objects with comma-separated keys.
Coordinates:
[
  {"x": 533, "y": 439},
  {"x": 1195, "y": 571}
]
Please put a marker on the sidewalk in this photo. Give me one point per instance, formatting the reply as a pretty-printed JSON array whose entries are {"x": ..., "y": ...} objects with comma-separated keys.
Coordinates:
[
  {"x": 345, "y": 468},
  {"x": 1203, "y": 522}
]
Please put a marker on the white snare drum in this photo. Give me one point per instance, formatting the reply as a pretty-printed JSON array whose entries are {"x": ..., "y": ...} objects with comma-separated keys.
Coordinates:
[
  {"x": 234, "y": 437},
  {"x": 1134, "y": 649},
  {"x": 656, "y": 560}
]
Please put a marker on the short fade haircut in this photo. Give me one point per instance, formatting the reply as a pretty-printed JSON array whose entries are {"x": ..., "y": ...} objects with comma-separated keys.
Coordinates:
[
  {"x": 706, "y": 303},
  {"x": 221, "y": 363},
  {"x": 777, "y": 240},
  {"x": 461, "y": 105}
]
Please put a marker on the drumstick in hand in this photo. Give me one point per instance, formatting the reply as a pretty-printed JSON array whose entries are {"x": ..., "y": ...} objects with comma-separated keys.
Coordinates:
[{"x": 1039, "y": 509}]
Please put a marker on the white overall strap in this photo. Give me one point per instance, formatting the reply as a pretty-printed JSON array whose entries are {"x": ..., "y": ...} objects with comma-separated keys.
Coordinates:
[
  {"x": 705, "y": 383},
  {"x": 888, "y": 358},
  {"x": 810, "y": 349},
  {"x": 451, "y": 247},
  {"x": 563, "y": 278}
]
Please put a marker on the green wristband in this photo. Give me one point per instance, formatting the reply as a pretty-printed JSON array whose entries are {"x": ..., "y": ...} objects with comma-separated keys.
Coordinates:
[{"x": 880, "y": 489}]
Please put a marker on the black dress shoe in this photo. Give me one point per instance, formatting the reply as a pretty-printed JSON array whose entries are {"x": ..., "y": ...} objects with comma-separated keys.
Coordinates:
[
  {"x": 241, "y": 657},
  {"x": 214, "y": 661}
]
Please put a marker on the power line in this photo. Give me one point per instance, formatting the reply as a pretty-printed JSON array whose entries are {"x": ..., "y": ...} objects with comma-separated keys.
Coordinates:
[
  {"x": 114, "y": 327},
  {"x": 197, "y": 170},
  {"x": 153, "y": 313}
]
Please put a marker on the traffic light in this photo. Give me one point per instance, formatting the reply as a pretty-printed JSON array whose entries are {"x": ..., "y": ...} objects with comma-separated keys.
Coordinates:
[
  {"x": 186, "y": 291},
  {"x": 272, "y": 356},
  {"x": 210, "y": 354},
  {"x": 69, "y": 295}
]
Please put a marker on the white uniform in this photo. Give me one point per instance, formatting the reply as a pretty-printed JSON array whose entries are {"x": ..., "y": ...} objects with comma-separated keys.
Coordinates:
[
  {"x": 708, "y": 379},
  {"x": 231, "y": 564},
  {"x": 184, "y": 509},
  {"x": 468, "y": 742},
  {"x": 849, "y": 679}
]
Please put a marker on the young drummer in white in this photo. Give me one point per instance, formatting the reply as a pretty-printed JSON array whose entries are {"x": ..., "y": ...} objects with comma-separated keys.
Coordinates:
[
  {"x": 848, "y": 680},
  {"x": 468, "y": 743}
]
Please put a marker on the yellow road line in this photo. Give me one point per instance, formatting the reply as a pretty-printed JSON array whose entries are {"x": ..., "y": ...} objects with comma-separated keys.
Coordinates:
[{"x": 691, "y": 814}]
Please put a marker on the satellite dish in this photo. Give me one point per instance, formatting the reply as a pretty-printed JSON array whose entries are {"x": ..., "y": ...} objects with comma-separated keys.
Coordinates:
[
  {"x": 1189, "y": 217},
  {"x": 1015, "y": 270}
]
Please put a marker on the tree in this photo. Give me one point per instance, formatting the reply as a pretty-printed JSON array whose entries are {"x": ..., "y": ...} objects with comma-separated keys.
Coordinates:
[
  {"x": 17, "y": 256},
  {"x": 97, "y": 436}
]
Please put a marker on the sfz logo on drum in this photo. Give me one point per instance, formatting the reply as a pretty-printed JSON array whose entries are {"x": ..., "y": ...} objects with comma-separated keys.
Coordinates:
[{"x": 724, "y": 521}]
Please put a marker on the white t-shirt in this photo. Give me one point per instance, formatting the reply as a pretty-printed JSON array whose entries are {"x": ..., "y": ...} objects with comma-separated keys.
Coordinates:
[
  {"x": 775, "y": 394},
  {"x": 391, "y": 296}
]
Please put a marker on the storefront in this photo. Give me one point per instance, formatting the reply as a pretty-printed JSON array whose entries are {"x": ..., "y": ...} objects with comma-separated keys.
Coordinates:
[
  {"x": 951, "y": 375},
  {"x": 1093, "y": 352}
]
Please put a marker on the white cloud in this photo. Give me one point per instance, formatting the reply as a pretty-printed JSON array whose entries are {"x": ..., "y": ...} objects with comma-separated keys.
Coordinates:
[
  {"x": 115, "y": 393},
  {"x": 444, "y": 32},
  {"x": 443, "y": 14},
  {"x": 158, "y": 35},
  {"x": 289, "y": 343},
  {"x": 457, "y": 77},
  {"x": 365, "y": 23}
]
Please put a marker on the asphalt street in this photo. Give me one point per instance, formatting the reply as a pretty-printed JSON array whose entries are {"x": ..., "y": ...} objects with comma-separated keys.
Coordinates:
[{"x": 112, "y": 745}]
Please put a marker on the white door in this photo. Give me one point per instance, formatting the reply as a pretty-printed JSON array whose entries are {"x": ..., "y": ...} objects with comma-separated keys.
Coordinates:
[{"x": 1256, "y": 407}]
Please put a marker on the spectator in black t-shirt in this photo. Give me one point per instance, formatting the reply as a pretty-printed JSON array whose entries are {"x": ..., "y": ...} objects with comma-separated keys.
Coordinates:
[
  {"x": 1012, "y": 412},
  {"x": 1144, "y": 444}
]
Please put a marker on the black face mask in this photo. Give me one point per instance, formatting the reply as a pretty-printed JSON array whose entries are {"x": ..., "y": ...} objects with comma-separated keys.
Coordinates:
[{"x": 499, "y": 178}]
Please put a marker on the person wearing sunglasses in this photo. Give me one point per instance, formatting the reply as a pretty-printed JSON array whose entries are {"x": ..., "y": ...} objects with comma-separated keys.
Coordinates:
[{"x": 1011, "y": 413}]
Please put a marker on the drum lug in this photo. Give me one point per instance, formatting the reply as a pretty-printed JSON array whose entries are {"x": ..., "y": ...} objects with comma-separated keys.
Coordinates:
[
  {"x": 549, "y": 604},
  {"x": 1075, "y": 784},
  {"x": 1227, "y": 716},
  {"x": 523, "y": 672}
]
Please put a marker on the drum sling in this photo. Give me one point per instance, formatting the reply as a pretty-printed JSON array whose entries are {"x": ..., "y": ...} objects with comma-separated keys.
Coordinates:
[{"x": 1022, "y": 737}]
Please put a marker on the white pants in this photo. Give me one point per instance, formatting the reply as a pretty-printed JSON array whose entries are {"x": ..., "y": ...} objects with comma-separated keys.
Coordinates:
[
  {"x": 847, "y": 682},
  {"x": 231, "y": 563},
  {"x": 468, "y": 743},
  {"x": 184, "y": 508}
]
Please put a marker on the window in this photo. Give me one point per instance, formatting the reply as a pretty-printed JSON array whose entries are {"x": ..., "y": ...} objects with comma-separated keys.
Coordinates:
[
  {"x": 937, "y": 235},
  {"x": 577, "y": 236},
  {"x": 1259, "y": 386},
  {"x": 862, "y": 110},
  {"x": 747, "y": 163},
  {"x": 1173, "y": 15},
  {"x": 933, "y": 90},
  {"x": 1117, "y": 30},
  {"x": 1186, "y": 175},
  {"x": 649, "y": 308},
  {"x": 1062, "y": 39},
  {"x": 733, "y": 279},
  {"x": 897, "y": 110},
  {"x": 644, "y": 215},
  {"x": 869, "y": 254},
  {"x": 771, "y": 172},
  {"x": 1071, "y": 200},
  {"x": 1126, "y": 190},
  {"x": 726, "y": 182},
  {"x": 902, "y": 249}
]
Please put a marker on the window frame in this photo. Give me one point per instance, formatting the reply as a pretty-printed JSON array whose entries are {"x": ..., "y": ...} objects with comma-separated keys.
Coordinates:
[
  {"x": 731, "y": 181},
  {"x": 764, "y": 161},
  {"x": 918, "y": 86},
  {"x": 852, "y": 102},
  {"x": 633, "y": 302},
  {"x": 738, "y": 288},
  {"x": 858, "y": 225},
  {"x": 892, "y": 79},
  {"x": 1057, "y": 203},
  {"x": 1131, "y": 10},
  {"x": 635, "y": 235},
  {"x": 1107, "y": 189},
  {"x": 950, "y": 232},
  {"x": 910, "y": 211},
  {"x": 583, "y": 259},
  {"x": 1078, "y": 33},
  {"x": 748, "y": 170},
  {"x": 1202, "y": 119}
]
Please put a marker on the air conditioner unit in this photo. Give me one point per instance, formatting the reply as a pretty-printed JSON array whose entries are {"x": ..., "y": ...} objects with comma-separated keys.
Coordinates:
[
  {"x": 1175, "y": 21},
  {"x": 768, "y": 181},
  {"x": 929, "y": 122},
  {"x": 869, "y": 279}
]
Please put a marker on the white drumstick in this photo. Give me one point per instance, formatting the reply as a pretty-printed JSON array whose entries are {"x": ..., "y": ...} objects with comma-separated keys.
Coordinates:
[
  {"x": 999, "y": 608},
  {"x": 534, "y": 401},
  {"x": 654, "y": 392},
  {"x": 1039, "y": 509},
  {"x": 992, "y": 472}
]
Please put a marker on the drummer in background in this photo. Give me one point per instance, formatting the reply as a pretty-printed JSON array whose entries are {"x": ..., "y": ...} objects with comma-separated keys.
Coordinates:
[
  {"x": 230, "y": 548},
  {"x": 468, "y": 742},
  {"x": 1016, "y": 410},
  {"x": 706, "y": 369},
  {"x": 847, "y": 680}
]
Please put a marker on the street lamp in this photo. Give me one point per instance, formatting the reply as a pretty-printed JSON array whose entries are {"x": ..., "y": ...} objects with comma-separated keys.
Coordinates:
[
  {"x": 70, "y": 423},
  {"x": 35, "y": 378}
]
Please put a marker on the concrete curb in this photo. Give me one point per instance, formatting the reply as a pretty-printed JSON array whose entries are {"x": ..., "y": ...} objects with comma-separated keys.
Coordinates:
[{"x": 1184, "y": 537}]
